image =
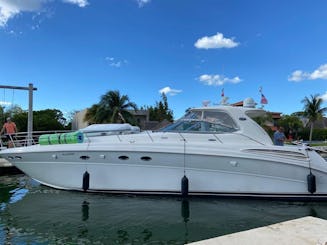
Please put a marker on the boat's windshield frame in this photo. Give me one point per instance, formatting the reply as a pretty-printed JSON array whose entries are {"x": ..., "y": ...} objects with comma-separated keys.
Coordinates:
[{"x": 204, "y": 121}]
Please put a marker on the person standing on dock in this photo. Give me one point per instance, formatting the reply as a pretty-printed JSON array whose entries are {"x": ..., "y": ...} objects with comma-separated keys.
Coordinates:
[
  {"x": 279, "y": 136},
  {"x": 10, "y": 128}
]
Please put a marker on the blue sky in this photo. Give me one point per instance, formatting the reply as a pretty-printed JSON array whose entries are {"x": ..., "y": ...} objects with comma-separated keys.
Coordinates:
[{"x": 74, "y": 51}]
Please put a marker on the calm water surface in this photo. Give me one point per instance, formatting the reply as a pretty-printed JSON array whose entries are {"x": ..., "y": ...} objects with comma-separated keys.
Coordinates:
[{"x": 34, "y": 214}]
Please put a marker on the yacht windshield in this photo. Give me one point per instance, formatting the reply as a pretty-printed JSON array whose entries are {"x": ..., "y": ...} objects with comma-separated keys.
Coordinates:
[{"x": 203, "y": 122}]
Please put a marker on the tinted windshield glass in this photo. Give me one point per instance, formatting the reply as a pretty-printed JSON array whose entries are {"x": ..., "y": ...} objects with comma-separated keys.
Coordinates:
[{"x": 204, "y": 122}]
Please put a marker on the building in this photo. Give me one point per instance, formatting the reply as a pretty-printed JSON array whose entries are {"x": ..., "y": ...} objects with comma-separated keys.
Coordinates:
[{"x": 78, "y": 120}]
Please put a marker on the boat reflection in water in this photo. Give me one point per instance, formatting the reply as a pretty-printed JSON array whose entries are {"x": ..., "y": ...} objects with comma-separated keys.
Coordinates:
[{"x": 41, "y": 215}]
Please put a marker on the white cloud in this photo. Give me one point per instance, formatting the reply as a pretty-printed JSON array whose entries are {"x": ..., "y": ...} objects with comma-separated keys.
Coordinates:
[
  {"x": 319, "y": 73},
  {"x": 5, "y": 103},
  {"x": 141, "y": 3},
  {"x": 114, "y": 62},
  {"x": 298, "y": 76},
  {"x": 169, "y": 91},
  {"x": 216, "y": 41},
  {"x": 217, "y": 80},
  {"x": 79, "y": 3},
  {"x": 11, "y": 8}
]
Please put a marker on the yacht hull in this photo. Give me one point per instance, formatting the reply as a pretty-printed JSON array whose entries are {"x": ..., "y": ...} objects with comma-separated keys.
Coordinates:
[
  {"x": 210, "y": 151},
  {"x": 222, "y": 173}
]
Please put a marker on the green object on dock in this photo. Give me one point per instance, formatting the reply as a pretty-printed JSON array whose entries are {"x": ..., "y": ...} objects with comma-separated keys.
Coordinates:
[{"x": 64, "y": 138}]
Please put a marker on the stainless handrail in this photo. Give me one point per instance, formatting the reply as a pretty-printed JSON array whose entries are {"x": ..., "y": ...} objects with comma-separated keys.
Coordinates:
[{"x": 22, "y": 138}]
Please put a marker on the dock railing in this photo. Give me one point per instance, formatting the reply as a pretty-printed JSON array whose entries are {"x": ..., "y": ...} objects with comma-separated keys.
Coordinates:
[{"x": 22, "y": 138}]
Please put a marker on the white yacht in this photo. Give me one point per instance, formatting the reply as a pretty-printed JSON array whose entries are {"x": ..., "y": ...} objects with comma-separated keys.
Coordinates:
[{"x": 216, "y": 150}]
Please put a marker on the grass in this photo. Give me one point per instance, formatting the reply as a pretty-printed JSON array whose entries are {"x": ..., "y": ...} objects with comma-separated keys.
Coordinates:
[{"x": 319, "y": 144}]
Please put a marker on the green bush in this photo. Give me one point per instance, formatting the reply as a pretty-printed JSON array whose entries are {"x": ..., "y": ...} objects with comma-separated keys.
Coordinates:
[{"x": 317, "y": 134}]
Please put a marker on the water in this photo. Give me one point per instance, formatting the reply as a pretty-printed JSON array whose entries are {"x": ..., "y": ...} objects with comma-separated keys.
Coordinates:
[{"x": 34, "y": 214}]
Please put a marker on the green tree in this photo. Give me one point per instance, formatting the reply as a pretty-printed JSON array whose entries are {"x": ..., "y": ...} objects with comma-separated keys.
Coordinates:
[
  {"x": 49, "y": 119},
  {"x": 112, "y": 108},
  {"x": 291, "y": 123},
  {"x": 313, "y": 110},
  {"x": 43, "y": 120},
  {"x": 20, "y": 120},
  {"x": 9, "y": 112},
  {"x": 90, "y": 115},
  {"x": 2, "y": 114},
  {"x": 265, "y": 121},
  {"x": 15, "y": 109},
  {"x": 161, "y": 111}
]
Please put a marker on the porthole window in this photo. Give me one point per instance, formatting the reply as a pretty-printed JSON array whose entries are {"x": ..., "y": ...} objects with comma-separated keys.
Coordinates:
[
  {"x": 123, "y": 157},
  {"x": 146, "y": 158}
]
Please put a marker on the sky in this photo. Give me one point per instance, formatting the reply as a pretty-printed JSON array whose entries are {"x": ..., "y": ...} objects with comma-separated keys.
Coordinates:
[{"x": 74, "y": 51}]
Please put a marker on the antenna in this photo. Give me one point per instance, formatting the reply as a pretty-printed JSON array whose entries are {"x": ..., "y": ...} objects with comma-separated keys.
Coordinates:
[{"x": 224, "y": 100}]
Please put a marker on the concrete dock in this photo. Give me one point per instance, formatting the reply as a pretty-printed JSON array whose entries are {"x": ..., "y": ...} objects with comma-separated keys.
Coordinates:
[{"x": 303, "y": 231}]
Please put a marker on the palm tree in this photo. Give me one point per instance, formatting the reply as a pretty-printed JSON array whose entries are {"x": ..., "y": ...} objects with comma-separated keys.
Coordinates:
[
  {"x": 313, "y": 110},
  {"x": 90, "y": 114},
  {"x": 112, "y": 108}
]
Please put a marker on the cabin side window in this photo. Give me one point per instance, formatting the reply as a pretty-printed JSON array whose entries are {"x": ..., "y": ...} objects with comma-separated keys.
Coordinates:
[
  {"x": 204, "y": 122},
  {"x": 219, "y": 122}
]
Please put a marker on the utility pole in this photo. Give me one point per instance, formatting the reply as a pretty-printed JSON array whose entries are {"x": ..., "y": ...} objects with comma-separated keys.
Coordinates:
[{"x": 30, "y": 89}]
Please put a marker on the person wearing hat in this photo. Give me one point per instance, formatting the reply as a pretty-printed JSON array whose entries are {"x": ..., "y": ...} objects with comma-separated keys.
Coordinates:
[{"x": 10, "y": 128}]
